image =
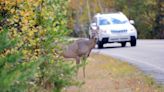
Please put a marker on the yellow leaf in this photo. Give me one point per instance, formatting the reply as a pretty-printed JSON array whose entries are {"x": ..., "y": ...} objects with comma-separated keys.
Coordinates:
[{"x": 24, "y": 52}]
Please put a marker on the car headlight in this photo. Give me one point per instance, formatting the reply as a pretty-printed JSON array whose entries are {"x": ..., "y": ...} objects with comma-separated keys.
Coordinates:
[
  {"x": 103, "y": 31},
  {"x": 132, "y": 29}
]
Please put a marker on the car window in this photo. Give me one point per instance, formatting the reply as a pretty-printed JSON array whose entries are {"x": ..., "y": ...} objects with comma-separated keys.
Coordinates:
[
  {"x": 118, "y": 21},
  {"x": 104, "y": 21}
]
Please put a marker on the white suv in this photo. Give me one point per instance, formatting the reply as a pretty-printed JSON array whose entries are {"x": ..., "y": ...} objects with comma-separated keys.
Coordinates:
[{"x": 114, "y": 27}]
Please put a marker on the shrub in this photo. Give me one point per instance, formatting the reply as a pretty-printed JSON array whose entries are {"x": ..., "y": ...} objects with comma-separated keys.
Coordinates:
[{"x": 28, "y": 30}]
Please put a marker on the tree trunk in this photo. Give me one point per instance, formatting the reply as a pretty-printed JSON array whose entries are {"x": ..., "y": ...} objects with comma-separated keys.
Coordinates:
[
  {"x": 77, "y": 23},
  {"x": 89, "y": 12},
  {"x": 100, "y": 5}
]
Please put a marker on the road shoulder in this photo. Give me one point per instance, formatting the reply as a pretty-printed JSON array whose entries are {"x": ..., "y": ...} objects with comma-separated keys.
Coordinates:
[{"x": 104, "y": 74}]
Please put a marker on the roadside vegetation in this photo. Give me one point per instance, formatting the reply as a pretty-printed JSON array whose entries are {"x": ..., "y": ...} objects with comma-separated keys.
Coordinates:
[
  {"x": 106, "y": 74},
  {"x": 32, "y": 30},
  {"x": 147, "y": 14}
]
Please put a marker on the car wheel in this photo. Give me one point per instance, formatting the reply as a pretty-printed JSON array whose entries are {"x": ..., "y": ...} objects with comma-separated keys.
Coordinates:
[
  {"x": 133, "y": 41},
  {"x": 123, "y": 44},
  {"x": 100, "y": 44}
]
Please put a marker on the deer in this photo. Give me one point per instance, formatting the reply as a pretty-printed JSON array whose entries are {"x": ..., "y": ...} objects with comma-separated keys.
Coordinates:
[{"x": 81, "y": 49}]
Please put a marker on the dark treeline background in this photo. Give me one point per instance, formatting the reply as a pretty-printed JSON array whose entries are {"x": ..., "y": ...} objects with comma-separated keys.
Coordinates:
[{"x": 147, "y": 14}]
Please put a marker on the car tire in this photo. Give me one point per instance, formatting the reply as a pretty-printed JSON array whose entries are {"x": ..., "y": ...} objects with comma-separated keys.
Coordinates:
[
  {"x": 123, "y": 44},
  {"x": 100, "y": 45},
  {"x": 133, "y": 41}
]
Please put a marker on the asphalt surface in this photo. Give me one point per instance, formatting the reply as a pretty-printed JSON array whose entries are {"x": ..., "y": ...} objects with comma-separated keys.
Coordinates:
[{"x": 148, "y": 56}]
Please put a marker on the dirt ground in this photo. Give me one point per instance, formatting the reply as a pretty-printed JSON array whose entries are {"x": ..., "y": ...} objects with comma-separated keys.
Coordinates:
[{"x": 105, "y": 74}]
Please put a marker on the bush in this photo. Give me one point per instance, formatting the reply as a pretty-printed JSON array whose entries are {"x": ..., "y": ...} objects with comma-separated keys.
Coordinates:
[{"x": 28, "y": 30}]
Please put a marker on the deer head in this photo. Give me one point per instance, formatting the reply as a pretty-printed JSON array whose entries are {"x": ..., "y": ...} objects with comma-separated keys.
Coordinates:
[{"x": 94, "y": 31}]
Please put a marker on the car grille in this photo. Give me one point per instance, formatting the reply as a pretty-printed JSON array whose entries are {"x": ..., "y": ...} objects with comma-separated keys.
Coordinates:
[{"x": 118, "y": 31}]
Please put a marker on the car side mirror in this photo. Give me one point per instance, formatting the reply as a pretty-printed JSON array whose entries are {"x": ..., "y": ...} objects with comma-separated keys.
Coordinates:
[{"x": 132, "y": 22}]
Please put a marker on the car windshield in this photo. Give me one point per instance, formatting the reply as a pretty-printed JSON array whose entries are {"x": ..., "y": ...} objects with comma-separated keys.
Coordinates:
[
  {"x": 104, "y": 21},
  {"x": 107, "y": 21},
  {"x": 118, "y": 21}
]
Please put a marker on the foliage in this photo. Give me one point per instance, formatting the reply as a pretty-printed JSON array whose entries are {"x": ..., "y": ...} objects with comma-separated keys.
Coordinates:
[
  {"x": 159, "y": 27},
  {"x": 146, "y": 14},
  {"x": 29, "y": 30}
]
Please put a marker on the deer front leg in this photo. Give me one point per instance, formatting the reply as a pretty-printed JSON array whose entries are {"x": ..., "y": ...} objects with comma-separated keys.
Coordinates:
[
  {"x": 88, "y": 53},
  {"x": 77, "y": 64},
  {"x": 84, "y": 63}
]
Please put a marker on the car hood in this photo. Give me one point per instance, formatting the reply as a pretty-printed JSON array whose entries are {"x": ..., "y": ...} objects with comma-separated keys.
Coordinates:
[{"x": 117, "y": 27}]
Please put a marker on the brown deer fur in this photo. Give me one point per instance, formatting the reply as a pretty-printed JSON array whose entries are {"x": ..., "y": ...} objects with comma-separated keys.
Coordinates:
[{"x": 80, "y": 48}]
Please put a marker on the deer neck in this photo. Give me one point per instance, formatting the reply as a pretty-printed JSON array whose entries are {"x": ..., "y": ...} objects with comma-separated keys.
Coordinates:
[{"x": 92, "y": 42}]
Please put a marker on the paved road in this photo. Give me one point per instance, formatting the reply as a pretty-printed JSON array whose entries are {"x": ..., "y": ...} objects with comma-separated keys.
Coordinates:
[{"x": 148, "y": 56}]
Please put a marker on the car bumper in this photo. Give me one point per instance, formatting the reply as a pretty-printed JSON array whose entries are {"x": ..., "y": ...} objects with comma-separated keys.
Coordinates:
[{"x": 116, "y": 38}]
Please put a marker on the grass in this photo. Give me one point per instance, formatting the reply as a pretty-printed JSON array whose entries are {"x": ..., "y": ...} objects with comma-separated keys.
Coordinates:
[{"x": 106, "y": 74}]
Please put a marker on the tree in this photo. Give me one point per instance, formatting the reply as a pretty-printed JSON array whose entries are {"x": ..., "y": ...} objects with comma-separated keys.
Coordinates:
[
  {"x": 29, "y": 31},
  {"x": 159, "y": 27},
  {"x": 147, "y": 14}
]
